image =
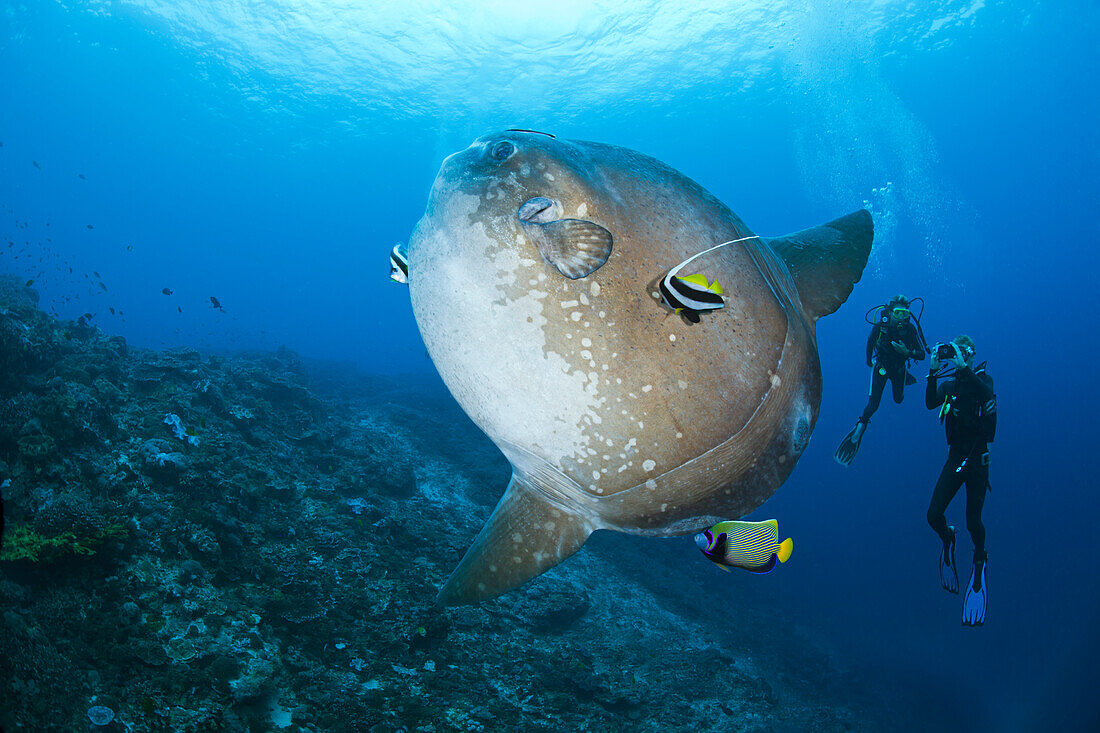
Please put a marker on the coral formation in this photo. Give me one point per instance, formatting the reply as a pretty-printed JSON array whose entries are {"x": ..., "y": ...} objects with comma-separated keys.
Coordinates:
[{"x": 278, "y": 572}]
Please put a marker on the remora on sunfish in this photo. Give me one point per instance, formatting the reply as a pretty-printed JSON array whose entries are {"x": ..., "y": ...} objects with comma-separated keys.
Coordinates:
[{"x": 536, "y": 292}]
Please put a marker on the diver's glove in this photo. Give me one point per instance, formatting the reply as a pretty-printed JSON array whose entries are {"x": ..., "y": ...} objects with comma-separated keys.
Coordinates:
[
  {"x": 934, "y": 365},
  {"x": 900, "y": 348}
]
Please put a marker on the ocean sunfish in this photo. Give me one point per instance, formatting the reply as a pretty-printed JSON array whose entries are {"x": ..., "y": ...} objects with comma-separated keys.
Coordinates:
[{"x": 538, "y": 268}]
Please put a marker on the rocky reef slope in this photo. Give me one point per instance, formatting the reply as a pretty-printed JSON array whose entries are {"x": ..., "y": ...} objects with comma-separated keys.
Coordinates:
[{"x": 208, "y": 543}]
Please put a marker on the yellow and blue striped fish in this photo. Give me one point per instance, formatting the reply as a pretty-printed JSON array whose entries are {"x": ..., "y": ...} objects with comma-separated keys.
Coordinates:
[{"x": 752, "y": 546}]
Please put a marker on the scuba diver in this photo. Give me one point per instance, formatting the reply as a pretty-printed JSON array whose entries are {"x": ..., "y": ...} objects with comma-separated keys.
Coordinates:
[
  {"x": 968, "y": 409},
  {"x": 894, "y": 340}
]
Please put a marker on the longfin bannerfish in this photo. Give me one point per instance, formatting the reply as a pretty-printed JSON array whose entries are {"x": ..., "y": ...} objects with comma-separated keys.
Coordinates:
[
  {"x": 691, "y": 295},
  {"x": 399, "y": 264},
  {"x": 752, "y": 546}
]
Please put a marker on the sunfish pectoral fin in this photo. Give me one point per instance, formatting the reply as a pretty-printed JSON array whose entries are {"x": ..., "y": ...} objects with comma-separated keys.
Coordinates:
[
  {"x": 526, "y": 535},
  {"x": 577, "y": 248},
  {"x": 827, "y": 261}
]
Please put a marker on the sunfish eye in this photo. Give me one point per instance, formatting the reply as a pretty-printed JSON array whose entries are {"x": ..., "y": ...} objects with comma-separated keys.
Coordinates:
[{"x": 502, "y": 150}]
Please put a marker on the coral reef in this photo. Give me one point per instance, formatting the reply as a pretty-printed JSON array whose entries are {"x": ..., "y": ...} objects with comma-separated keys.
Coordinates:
[{"x": 251, "y": 543}]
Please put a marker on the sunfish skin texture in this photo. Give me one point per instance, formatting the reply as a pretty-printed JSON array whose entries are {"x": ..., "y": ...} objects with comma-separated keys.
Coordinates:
[{"x": 614, "y": 412}]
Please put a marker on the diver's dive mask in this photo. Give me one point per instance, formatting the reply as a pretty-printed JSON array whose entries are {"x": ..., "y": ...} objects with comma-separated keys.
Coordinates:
[{"x": 901, "y": 313}]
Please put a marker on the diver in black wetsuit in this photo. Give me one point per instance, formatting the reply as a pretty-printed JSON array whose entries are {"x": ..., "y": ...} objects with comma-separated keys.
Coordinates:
[
  {"x": 968, "y": 410},
  {"x": 893, "y": 341}
]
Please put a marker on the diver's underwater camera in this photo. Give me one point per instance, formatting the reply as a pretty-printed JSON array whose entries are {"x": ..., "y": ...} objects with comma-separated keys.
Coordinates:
[{"x": 947, "y": 352}]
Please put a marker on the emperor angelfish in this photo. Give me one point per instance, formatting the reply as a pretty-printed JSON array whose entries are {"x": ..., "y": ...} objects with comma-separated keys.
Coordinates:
[
  {"x": 752, "y": 546},
  {"x": 538, "y": 263},
  {"x": 399, "y": 264}
]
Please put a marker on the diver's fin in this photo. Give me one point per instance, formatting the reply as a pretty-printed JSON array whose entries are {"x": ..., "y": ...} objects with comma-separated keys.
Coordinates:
[
  {"x": 827, "y": 261},
  {"x": 574, "y": 246},
  {"x": 949, "y": 572},
  {"x": 525, "y": 536},
  {"x": 975, "y": 599},
  {"x": 846, "y": 452},
  {"x": 786, "y": 547},
  {"x": 910, "y": 380}
]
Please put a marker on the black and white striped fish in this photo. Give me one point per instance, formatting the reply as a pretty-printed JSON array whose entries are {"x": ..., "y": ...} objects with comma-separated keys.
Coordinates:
[
  {"x": 692, "y": 294},
  {"x": 399, "y": 264}
]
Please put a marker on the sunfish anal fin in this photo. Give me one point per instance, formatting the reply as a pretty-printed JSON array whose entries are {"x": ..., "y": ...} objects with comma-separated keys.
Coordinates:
[
  {"x": 827, "y": 261},
  {"x": 526, "y": 535},
  {"x": 577, "y": 248}
]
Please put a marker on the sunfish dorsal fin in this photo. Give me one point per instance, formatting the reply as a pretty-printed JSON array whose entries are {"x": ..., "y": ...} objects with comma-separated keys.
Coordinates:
[
  {"x": 525, "y": 536},
  {"x": 577, "y": 248},
  {"x": 827, "y": 261}
]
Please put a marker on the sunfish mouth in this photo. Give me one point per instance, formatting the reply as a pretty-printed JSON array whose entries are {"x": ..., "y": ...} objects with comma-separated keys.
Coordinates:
[{"x": 540, "y": 210}]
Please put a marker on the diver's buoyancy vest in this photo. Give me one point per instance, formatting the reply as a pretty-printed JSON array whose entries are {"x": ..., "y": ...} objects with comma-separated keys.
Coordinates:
[
  {"x": 883, "y": 340},
  {"x": 981, "y": 421}
]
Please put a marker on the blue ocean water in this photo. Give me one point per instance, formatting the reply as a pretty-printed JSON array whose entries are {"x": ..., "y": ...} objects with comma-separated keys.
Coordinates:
[{"x": 270, "y": 154}]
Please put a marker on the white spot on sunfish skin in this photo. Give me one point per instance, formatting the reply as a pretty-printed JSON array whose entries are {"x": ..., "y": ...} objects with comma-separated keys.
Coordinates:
[
  {"x": 481, "y": 587},
  {"x": 647, "y": 387},
  {"x": 650, "y": 484},
  {"x": 672, "y": 337},
  {"x": 582, "y": 210},
  {"x": 463, "y": 272},
  {"x": 595, "y": 289},
  {"x": 586, "y": 342},
  {"x": 569, "y": 304},
  {"x": 648, "y": 464},
  {"x": 575, "y": 315},
  {"x": 776, "y": 380},
  {"x": 517, "y": 537},
  {"x": 682, "y": 384},
  {"x": 596, "y": 475}
]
